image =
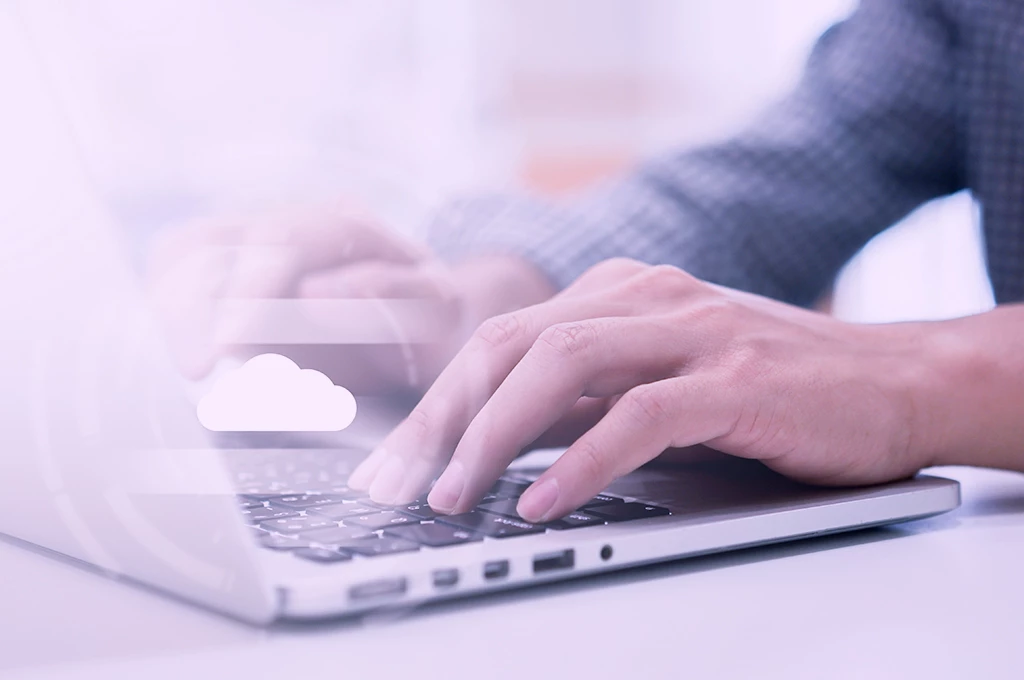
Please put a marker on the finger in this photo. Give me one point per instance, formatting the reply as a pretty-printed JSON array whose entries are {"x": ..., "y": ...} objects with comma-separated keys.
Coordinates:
[
  {"x": 604, "y": 274},
  {"x": 260, "y": 272},
  {"x": 688, "y": 455},
  {"x": 171, "y": 246},
  {"x": 333, "y": 237},
  {"x": 251, "y": 259},
  {"x": 584, "y": 414},
  {"x": 649, "y": 419},
  {"x": 277, "y": 254},
  {"x": 365, "y": 370},
  {"x": 183, "y": 298},
  {"x": 185, "y": 268},
  {"x": 425, "y": 441},
  {"x": 372, "y": 280},
  {"x": 417, "y": 328},
  {"x": 364, "y": 472},
  {"x": 591, "y": 358},
  {"x": 201, "y": 263}
]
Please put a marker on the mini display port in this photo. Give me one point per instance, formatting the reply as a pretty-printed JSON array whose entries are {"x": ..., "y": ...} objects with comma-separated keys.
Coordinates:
[{"x": 495, "y": 570}]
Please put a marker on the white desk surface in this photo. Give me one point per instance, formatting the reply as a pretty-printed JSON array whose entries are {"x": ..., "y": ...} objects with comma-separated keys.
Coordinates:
[{"x": 940, "y": 598}]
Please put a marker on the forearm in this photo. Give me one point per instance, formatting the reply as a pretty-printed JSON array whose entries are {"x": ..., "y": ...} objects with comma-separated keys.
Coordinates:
[
  {"x": 970, "y": 401},
  {"x": 868, "y": 135}
]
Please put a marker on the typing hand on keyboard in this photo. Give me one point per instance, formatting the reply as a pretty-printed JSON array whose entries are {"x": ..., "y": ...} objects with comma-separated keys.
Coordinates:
[
  {"x": 319, "y": 519},
  {"x": 682, "y": 363}
]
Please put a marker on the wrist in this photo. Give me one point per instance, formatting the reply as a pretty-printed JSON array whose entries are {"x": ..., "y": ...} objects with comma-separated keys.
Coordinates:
[
  {"x": 902, "y": 368},
  {"x": 960, "y": 416}
]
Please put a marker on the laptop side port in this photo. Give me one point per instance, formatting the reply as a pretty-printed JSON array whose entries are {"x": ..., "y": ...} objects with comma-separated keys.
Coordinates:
[
  {"x": 555, "y": 561},
  {"x": 445, "y": 578},
  {"x": 496, "y": 569},
  {"x": 372, "y": 590}
]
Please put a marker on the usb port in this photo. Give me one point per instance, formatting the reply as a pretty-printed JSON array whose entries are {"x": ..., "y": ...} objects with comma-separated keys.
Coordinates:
[
  {"x": 566, "y": 559},
  {"x": 446, "y": 578},
  {"x": 495, "y": 570}
]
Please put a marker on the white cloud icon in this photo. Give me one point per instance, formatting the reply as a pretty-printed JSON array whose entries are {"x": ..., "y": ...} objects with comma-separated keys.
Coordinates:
[{"x": 270, "y": 393}]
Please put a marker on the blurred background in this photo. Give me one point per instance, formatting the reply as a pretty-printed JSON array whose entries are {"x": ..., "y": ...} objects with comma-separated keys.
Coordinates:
[{"x": 188, "y": 107}]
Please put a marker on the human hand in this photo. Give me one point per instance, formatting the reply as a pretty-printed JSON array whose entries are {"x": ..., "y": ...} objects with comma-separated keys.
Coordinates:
[
  {"x": 679, "y": 362},
  {"x": 210, "y": 282}
]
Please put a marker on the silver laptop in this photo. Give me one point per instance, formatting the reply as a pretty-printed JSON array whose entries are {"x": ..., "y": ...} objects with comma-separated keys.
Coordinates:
[{"x": 104, "y": 460}]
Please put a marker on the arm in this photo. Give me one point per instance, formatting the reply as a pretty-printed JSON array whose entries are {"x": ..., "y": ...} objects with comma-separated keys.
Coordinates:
[
  {"x": 867, "y": 136},
  {"x": 973, "y": 408}
]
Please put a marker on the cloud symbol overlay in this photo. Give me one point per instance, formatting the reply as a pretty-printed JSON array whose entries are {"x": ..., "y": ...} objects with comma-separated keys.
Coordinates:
[{"x": 270, "y": 393}]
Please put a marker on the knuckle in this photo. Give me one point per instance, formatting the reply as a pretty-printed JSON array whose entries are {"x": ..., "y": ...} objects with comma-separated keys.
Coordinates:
[
  {"x": 370, "y": 280},
  {"x": 711, "y": 309},
  {"x": 500, "y": 330},
  {"x": 745, "y": 360},
  {"x": 588, "y": 460},
  {"x": 646, "y": 405},
  {"x": 569, "y": 339},
  {"x": 664, "y": 281},
  {"x": 618, "y": 265},
  {"x": 748, "y": 359},
  {"x": 419, "y": 424},
  {"x": 612, "y": 269}
]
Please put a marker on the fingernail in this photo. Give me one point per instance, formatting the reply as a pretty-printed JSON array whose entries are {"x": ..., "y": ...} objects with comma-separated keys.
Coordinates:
[
  {"x": 538, "y": 501},
  {"x": 446, "y": 493},
  {"x": 388, "y": 482},
  {"x": 362, "y": 476}
]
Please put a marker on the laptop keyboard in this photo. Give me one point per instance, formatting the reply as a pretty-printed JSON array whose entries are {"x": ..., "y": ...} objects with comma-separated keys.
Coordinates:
[{"x": 296, "y": 503}]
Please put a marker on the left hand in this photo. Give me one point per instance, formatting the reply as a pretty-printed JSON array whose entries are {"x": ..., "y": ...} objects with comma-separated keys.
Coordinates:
[
  {"x": 210, "y": 280},
  {"x": 680, "y": 362}
]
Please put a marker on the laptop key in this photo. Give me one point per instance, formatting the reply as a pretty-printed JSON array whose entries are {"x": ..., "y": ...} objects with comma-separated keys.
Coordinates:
[
  {"x": 384, "y": 506},
  {"x": 268, "y": 489},
  {"x": 278, "y": 542},
  {"x": 624, "y": 512},
  {"x": 575, "y": 520},
  {"x": 507, "y": 488},
  {"x": 344, "y": 492},
  {"x": 419, "y": 510},
  {"x": 373, "y": 547},
  {"x": 304, "y": 501},
  {"x": 602, "y": 499},
  {"x": 433, "y": 534},
  {"x": 322, "y": 555},
  {"x": 340, "y": 511},
  {"x": 505, "y": 507},
  {"x": 380, "y": 520},
  {"x": 294, "y": 525},
  {"x": 261, "y": 514},
  {"x": 495, "y": 526},
  {"x": 334, "y": 535},
  {"x": 260, "y": 497}
]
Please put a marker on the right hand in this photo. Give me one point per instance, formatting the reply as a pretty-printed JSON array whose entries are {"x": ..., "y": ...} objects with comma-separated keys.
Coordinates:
[{"x": 197, "y": 270}]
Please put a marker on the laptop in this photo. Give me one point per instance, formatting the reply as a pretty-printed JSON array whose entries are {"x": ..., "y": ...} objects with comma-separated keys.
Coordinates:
[{"x": 105, "y": 463}]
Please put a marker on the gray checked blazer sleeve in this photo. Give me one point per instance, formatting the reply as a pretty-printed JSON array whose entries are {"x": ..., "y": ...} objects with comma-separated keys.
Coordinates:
[{"x": 870, "y": 133}]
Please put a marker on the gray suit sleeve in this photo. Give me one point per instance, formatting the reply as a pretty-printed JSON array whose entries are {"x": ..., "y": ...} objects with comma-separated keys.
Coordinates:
[{"x": 869, "y": 133}]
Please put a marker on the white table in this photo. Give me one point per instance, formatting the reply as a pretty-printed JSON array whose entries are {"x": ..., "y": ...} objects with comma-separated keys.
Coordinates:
[{"x": 941, "y": 598}]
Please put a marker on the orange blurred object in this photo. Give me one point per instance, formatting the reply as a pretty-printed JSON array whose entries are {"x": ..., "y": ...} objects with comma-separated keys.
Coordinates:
[{"x": 551, "y": 173}]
